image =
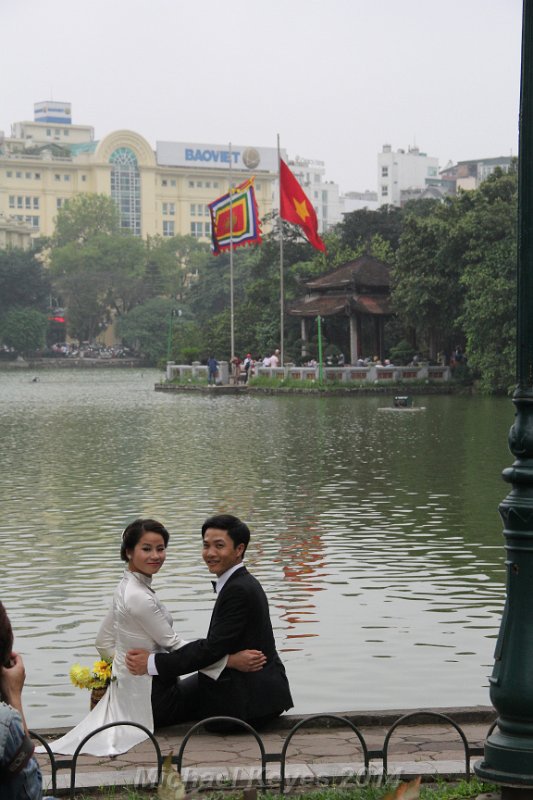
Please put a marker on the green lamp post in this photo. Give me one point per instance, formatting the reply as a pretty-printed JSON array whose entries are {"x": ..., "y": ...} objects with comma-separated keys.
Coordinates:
[
  {"x": 508, "y": 758},
  {"x": 320, "y": 363}
]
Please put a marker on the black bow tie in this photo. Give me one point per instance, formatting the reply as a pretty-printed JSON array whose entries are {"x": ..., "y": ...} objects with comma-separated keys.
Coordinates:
[{"x": 214, "y": 585}]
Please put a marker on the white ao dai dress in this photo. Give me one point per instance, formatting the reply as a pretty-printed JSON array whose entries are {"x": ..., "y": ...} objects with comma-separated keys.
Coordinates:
[{"x": 136, "y": 619}]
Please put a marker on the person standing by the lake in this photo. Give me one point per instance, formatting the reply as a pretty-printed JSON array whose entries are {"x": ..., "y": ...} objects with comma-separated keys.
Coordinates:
[
  {"x": 135, "y": 618},
  {"x": 248, "y": 366},
  {"x": 212, "y": 368},
  {"x": 236, "y": 369},
  {"x": 240, "y": 620}
]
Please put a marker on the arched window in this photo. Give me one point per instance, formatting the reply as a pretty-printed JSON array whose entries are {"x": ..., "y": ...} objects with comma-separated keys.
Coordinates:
[{"x": 126, "y": 188}]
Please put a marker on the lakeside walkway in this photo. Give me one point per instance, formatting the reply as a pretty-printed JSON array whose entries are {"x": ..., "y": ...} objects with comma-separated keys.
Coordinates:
[{"x": 297, "y": 750}]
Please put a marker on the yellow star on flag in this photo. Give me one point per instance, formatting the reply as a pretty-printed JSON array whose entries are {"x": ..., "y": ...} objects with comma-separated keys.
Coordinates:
[{"x": 301, "y": 209}]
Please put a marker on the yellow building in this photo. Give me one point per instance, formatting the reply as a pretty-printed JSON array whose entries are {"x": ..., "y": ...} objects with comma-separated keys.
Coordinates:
[{"x": 159, "y": 192}]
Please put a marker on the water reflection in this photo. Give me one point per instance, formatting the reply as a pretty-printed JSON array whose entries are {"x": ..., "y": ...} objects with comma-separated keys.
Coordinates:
[{"x": 376, "y": 536}]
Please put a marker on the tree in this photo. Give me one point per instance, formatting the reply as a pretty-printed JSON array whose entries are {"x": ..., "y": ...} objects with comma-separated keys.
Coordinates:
[
  {"x": 99, "y": 279},
  {"x": 172, "y": 262},
  {"x": 489, "y": 282},
  {"x": 24, "y": 282},
  {"x": 454, "y": 279},
  {"x": 146, "y": 327},
  {"x": 256, "y": 293},
  {"x": 426, "y": 290},
  {"x": 359, "y": 227},
  {"x": 85, "y": 216},
  {"x": 24, "y": 329},
  {"x": 98, "y": 269}
]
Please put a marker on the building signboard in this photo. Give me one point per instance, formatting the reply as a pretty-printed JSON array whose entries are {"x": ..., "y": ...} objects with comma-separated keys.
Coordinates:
[{"x": 191, "y": 154}]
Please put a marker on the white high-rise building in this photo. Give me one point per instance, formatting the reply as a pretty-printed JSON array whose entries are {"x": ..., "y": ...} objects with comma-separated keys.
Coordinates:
[
  {"x": 324, "y": 195},
  {"x": 404, "y": 171}
]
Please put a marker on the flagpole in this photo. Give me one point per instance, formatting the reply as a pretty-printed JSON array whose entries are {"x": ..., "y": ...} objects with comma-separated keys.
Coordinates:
[
  {"x": 281, "y": 281},
  {"x": 232, "y": 309}
]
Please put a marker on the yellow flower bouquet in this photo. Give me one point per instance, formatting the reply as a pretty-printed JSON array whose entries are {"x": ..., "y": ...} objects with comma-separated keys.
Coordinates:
[{"x": 98, "y": 677}]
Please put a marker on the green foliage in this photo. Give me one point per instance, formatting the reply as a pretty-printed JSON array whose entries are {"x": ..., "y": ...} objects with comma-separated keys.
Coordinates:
[
  {"x": 359, "y": 227},
  {"x": 256, "y": 295},
  {"x": 188, "y": 342},
  {"x": 102, "y": 272},
  {"x": 172, "y": 263},
  {"x": 360, "y": 789},
  {"x": 85, "y": 216},
  {"x": 454, "y": 279},
  {"x": 98, "y": 278},
  {"x": 25, "y": 293},
  {"x": 145, "y": 328},
  {"x": 24, "y": 282},
  {"x": 402, "y": 353},
  {"x": 426, "y": 289},
  {"x": 462, "y": 374},
  {"x": 489, "y": 281},
  {"x": 24, "y": 329}
]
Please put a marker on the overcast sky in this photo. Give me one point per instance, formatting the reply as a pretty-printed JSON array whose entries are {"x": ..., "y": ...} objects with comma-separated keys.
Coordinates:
[{"x": 336, "y": 79}]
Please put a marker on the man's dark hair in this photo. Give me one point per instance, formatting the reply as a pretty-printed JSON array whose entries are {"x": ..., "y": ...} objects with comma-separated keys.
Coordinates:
[{"x": 238, "y": 531}]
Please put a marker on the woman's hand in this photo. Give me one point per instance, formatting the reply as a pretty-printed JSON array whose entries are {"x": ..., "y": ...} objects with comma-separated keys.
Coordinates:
[
  {"x": 12, "y": 679},
  {"x": 247, "y": 660}
]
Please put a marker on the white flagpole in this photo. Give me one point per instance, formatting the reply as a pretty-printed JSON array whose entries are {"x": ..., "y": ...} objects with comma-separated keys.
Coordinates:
[
  {"x": 232, "y": 309},
  {"x": 281, "y": 282}
]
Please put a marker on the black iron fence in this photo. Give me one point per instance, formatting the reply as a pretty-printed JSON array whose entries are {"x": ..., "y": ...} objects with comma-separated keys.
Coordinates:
[{"x": 363, "y": 772}]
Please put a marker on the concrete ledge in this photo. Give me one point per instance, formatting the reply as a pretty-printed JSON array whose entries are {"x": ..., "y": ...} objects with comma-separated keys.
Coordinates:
[
  {"x": 368, "y": 719},
  {"x": 461, "y": 714}
]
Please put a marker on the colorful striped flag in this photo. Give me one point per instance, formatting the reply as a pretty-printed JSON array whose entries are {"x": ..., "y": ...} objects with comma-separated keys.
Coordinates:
[{"x": 244, "y": 228}]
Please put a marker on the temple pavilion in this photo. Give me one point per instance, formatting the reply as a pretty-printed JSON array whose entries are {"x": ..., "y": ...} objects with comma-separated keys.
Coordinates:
[{"x": 358, "y": 290}]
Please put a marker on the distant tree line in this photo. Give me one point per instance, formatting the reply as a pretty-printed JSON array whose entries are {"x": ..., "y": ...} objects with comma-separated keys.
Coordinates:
[{"x": 453, "y": 270}]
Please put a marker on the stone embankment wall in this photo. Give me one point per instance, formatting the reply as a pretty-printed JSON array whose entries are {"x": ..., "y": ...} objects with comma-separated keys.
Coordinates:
[{"x": 71, "y": 363}]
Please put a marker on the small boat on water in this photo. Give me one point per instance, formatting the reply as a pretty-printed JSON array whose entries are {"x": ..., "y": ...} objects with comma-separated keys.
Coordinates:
[{"x": 402, "y": 403}]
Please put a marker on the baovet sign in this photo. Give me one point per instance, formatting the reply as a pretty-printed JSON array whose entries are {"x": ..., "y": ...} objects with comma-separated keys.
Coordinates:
[
  {"x": 189, "y": 154},
  {"x": 222, "y": 156}
]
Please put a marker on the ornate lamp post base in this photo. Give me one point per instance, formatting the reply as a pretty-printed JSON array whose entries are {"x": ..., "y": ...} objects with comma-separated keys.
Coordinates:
[{"x": 509, "y": 749}]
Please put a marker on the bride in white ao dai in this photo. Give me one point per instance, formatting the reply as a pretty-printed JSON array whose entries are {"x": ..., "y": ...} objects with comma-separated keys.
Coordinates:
[{"x": 136, "y": 619}]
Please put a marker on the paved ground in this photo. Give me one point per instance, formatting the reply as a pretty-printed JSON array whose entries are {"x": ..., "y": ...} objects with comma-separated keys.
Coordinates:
[{"x": 321, "y": 750}]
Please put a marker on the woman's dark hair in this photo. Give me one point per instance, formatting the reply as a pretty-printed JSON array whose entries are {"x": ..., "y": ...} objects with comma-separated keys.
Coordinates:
[
  {"x": 238, "y": 531},
  {"x": 135, "y": 530},
  {"x": 6, "y": 637}
]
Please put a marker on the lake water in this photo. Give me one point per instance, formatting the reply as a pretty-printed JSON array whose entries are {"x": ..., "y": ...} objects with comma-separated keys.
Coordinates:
[{"x": 376, "y": 535}]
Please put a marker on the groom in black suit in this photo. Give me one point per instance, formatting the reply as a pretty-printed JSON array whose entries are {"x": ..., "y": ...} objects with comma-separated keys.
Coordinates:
[{"x": 240, "y": 621}]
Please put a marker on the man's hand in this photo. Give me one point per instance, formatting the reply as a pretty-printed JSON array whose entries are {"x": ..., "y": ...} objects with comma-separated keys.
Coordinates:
[
  {"x": 247, "y": 660},
  {"x": 137, "y": 661}
]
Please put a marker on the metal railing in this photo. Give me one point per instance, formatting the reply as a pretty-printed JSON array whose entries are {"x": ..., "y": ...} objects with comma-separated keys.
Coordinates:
[{"x": 367, "y": 755}]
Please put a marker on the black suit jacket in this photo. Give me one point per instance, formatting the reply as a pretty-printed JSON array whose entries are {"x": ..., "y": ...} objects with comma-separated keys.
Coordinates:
[{"x": 240, "y": 621}]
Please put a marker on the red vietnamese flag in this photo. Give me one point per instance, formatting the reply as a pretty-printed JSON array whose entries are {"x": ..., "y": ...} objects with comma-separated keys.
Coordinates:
[{"x": 294, "y": 206}]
